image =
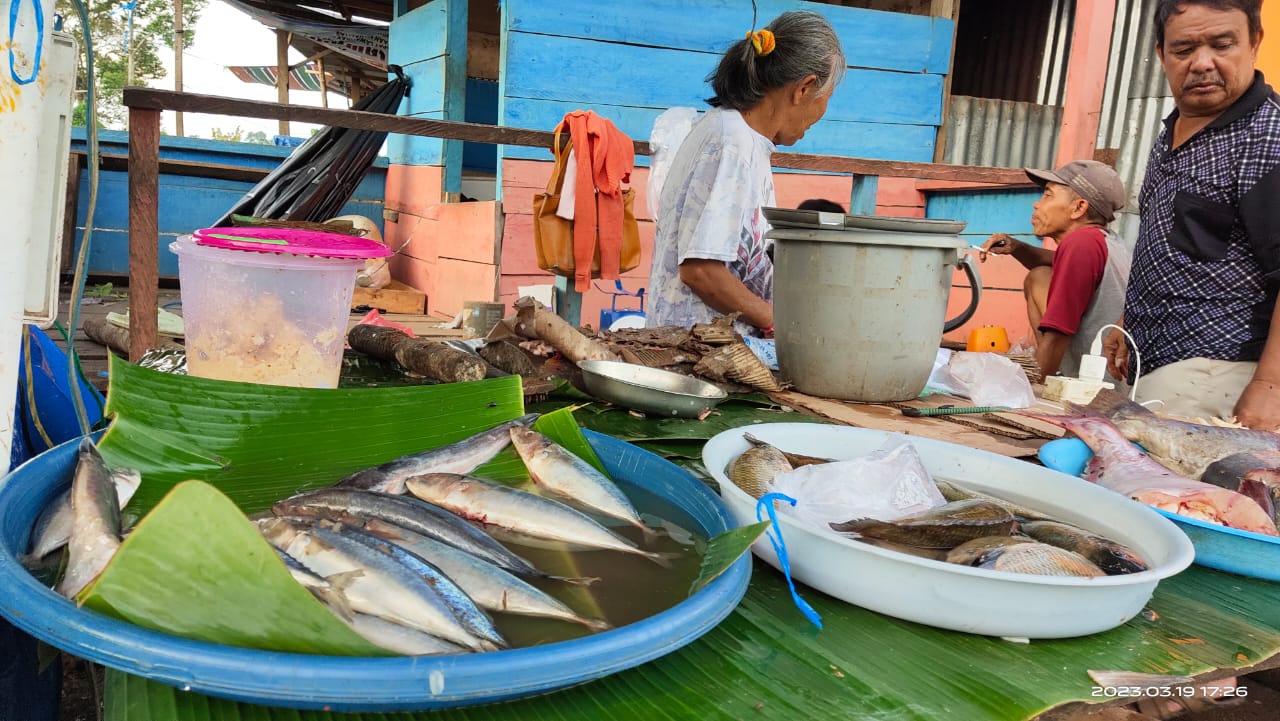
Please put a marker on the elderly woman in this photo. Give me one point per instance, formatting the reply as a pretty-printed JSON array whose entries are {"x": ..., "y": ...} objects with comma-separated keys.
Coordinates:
[{"x": 709, "y": 253}]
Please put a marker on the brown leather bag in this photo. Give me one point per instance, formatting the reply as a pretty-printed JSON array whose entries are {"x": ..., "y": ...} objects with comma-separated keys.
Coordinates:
[{"x": 553, "y": 235}]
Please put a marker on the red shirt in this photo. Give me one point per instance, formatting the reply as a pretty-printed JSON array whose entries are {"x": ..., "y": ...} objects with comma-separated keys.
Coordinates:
[{"x": 1078, "y": 264}]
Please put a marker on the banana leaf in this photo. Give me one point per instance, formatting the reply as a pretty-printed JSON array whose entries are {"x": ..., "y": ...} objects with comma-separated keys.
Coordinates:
[
  {"x": 730, "y": 414},
  {"x": 258, "y": 444},
  {"x": 765, "y": 661},
  {"x": 195, "y": 567}
]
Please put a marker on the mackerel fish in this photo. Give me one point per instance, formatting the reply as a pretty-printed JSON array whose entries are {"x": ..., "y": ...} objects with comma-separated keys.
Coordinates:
[
  {"x": 95, "y": 510},
  {"x": 521, "y": 513},
  {"x": 461, "y": 457}
]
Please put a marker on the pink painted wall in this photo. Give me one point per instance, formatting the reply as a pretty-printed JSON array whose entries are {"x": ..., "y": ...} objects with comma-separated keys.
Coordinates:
[{"x": 484, "y": 251}]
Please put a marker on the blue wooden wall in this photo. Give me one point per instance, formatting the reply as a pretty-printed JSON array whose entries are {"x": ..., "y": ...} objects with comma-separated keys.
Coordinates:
[
  {"x": 186, "y": 203},
  {"x": 986, "y": 212},
  {"x": 429, "y": 42},
  {"x": 630, "y": 61}
]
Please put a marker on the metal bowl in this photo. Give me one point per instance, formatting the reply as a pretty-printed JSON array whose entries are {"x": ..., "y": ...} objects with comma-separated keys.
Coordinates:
[{"x": 650, "y": 390}]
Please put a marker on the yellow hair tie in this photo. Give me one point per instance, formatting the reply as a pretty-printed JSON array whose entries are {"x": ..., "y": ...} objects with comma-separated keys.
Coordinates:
[{"x": 763, "y": 41}]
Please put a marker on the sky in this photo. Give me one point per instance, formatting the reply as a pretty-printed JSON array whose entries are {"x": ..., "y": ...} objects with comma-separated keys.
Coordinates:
[{"x": 225, "y": 36}]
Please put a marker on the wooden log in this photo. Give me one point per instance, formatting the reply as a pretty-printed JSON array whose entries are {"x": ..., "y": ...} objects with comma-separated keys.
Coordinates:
[
  {"x": 112, "y": 336},
  {"x": 437, "y": 360},
  {"x": 535, "y": 321},
  {"x": 426, "y": 357},
  {"x": 376, "y": 340}
]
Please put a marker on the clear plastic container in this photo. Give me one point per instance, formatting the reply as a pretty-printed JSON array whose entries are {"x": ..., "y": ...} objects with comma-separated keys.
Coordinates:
[{"x": 271, "y": 318}]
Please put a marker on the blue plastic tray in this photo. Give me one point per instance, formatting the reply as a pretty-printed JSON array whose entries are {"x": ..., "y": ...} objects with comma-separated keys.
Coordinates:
[
  {"x": 360, "y": 684},
  {"x": 1226, "y": 549}
]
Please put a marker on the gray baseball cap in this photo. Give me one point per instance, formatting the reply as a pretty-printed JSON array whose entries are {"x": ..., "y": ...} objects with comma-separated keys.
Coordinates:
[{"x": 1096, "y": 182}]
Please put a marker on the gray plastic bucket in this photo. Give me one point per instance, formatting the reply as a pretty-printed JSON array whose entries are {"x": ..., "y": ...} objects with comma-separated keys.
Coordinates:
[{"x": 860, "y": 308}]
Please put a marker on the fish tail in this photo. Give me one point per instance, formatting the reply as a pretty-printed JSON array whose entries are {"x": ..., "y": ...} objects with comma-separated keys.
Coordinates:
[
  {"x": 575, "y": 580},
  {"x": 595, "y": 624},
  {"x": 753, "y": 440},
  {"x": 662, "y": 559},
  {"x": 649, "y": 534}
]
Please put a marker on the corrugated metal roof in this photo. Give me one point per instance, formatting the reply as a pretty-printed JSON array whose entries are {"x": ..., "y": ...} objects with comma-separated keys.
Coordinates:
[{"x": 1136, "y": 101}]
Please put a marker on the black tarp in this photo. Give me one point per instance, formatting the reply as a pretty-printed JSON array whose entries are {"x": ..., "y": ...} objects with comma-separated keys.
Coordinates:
[{"x": 321, "y": 175}]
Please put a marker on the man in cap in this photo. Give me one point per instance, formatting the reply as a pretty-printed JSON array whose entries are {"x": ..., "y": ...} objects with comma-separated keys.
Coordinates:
[
  {"x": 1206, "y": 265},
  {"x": 1075, "y": 290}
]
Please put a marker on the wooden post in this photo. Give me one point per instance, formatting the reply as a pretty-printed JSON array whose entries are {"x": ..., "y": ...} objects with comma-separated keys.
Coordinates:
[
  {"x": 324, "y": 82},
  {"x": 178, "y": 38},
  {"x": 282, "y": 74},
  {"x": 568, "y": 301},
  {"x": 1086, "y": 80},
  {"x": 144, "y": 230},
  {"x": 945, "y": 9}
]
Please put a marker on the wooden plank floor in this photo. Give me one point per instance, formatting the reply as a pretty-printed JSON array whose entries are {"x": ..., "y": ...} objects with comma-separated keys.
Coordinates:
[{"x": 97, "y": 303}]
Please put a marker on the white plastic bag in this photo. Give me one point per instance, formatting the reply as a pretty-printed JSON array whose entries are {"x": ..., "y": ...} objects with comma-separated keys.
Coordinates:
[
  {"x": 669, "y": 131},
  {"x": 888, "y": 484},
  {"x": 989, "y": 379}
]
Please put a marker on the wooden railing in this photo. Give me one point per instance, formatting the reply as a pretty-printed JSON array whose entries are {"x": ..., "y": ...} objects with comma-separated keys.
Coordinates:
[{"x": 145, "y": 105}]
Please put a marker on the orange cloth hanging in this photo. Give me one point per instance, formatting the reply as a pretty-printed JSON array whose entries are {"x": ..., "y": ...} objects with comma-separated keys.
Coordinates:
[{"x": 606, "y": 158}]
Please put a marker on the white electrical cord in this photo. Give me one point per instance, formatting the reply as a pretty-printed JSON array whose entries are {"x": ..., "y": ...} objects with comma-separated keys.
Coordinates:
[{"x": 1096, "y": 349}]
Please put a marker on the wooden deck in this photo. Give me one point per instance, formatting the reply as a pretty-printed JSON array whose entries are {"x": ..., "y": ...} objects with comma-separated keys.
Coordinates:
[{"x": 99, "y": 300}]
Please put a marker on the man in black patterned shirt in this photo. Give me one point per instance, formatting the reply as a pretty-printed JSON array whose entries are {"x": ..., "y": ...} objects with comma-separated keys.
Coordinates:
[{"x": 1206, "y": 268}]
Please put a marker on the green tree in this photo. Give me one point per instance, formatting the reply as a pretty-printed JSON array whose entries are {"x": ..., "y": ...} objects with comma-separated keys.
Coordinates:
[
  {"x": 257, "y": 136},
  {"x": 114, "y": 40}
]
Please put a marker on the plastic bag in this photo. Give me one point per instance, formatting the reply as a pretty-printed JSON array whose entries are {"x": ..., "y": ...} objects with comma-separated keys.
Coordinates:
[
  {"x": 888, "y": 484},
  {"x": 989, "y": 379},
  {"x": 669, "y": 131}
]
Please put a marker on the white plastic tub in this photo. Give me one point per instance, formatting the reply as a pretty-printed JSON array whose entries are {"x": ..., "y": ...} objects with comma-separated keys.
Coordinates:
[
  {"x": 272, "y": 318},
  {"x": 951, "y": 596}
]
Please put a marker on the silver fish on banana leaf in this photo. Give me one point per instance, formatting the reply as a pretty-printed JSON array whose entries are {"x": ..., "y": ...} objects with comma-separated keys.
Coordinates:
[
  {"x": 492, "y": 588},
  {"x": 522, "y": 513},
  {"x": 461, "y": 457},
  {"x": 1040, "y": 559},
  {"x": 944, "y": 527},
  {"x": 54, "y": 525},
  {"x": 1112, "y": 557},
  {"x": 972, "y": 553},
  {"x": 1183, "y": 447},
  {"x": 374, "y": 583},
  {"x": 565, "y": 475},
  {"x": 95, "y": 510},
  {"x": 1119, "y": 466},
  {"x": 354, "y": 507}
]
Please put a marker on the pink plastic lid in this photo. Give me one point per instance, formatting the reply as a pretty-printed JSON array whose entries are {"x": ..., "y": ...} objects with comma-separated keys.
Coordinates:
[{"x": 296, "y": 242}]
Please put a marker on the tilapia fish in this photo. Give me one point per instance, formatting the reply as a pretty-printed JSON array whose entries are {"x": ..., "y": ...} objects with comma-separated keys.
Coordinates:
[
  {"x": 954, "y": 492},
  {"x": 1119, "y": 466},
  {"x": 461, "y": 457},
  {"x": 944, "y": 527},
  {"x": 1040, "y": 559},
  {"x": 795, "y": 459},
  {"x": 1111, "y": 556},
  {"x": 521, "y": 512},
  {"x": 753, "y": 469},
  {"x": 95, "y": 531},
  {"x": 972, "y": 553},
  {"x": 1181, "y": 446},
  {"x": 563, "y": 474}
]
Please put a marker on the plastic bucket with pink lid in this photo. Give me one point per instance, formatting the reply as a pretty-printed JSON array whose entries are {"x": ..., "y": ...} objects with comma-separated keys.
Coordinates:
[{"x": 268, "y": 305}]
